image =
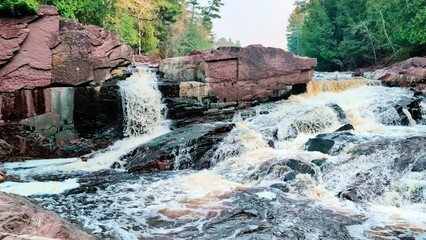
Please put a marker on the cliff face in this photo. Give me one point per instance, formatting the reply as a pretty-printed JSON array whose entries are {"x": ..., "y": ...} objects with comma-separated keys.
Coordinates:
[
  {"x": 47, "y": 108},
  {"x": 231, "y": 74},
  {"x": 42, "y": 50}
]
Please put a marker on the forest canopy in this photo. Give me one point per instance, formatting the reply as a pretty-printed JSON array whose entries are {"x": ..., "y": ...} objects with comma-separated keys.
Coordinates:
[
  {"x": 347, "y": 34},
  {"x": 163, "y": 27}
]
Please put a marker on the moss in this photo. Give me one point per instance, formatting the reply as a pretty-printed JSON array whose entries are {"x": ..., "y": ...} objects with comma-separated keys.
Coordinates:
[{"x": 17, "y": 8}]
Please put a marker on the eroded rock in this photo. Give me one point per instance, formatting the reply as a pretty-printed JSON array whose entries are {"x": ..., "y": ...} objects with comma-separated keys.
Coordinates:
[
  {"x": 66, "y": 52},
  {"x": 180, "y": 149},
  {"x": 22, "y": 219},
  {"x": 230, "y": 73}
]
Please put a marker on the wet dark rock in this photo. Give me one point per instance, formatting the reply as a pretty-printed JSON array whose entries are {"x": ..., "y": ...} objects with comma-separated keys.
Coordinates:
[
  {"x": 398, "y": 156},
  {"x": 281, "y": 187},
  {"x": 289, "y": 177},
  {"x": 319, "y": 162},
  {"x": 339, "y": 111},
  {"x": 180, "y": 149},
  {"x": 271, "y": 143},
  {"x": 319, "y": 145},
  {"x": 300, "y": 167},
  {"x": 255, "y": 217},
  {"x": 283, "y": 169},
  {"x": 349, "y": 195},
  {"x": 331, "y": 143},
  {"x": 413, "y": 106},
  {"x": 419, "y": 165},
  {"x": 4, "y": 177},
  {"x": 346, "y": 127},
  {"x": 248, "y": 113},
  {"x": 410, "y": 150}
]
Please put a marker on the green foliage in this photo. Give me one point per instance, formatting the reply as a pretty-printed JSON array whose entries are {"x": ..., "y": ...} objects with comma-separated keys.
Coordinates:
[
  {"x": 87, "y": 12},
  {"x": 194, "y": 38},
  {"x": 165, "y": 27},
  {"x": 17, "y": 8},
  {"x": 350, "y": 34},
  {"x": 294, "y": 30},
  {"x": 223, "y": 42}
]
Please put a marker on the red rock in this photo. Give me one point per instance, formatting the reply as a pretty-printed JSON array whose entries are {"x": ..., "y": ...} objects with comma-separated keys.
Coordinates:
[
  {"x": 20, "y": 218},
  {"x": 235, "y": 74},
  {"x": 409, "y": 73},
  {"x": 150, "y": 61},
  {"x": 41, "y": 50}
]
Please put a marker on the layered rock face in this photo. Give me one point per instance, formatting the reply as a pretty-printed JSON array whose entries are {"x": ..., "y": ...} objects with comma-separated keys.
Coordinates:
[
  {"x": 230, "y": 74},
  {"x": 59, "y": 122},
  {"x": 42, "y": 50},
  {"x": 46, "y": 108},
  {"x": 22, "y": 219},
  {"x": 410, "y": 73}
]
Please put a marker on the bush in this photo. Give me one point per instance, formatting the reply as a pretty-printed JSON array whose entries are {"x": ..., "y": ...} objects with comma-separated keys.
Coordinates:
[{"x": 17, "y": 8}]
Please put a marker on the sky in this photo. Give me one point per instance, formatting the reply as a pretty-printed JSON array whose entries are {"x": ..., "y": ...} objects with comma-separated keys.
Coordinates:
[{"x": 254, "y": 21}]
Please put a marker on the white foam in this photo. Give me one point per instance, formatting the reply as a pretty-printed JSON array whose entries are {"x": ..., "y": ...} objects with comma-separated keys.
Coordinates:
[{"x": 38, "y": 188}]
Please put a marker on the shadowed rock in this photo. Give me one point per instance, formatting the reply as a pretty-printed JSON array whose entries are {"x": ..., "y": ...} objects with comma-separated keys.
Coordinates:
[{"x": 180, "y": 149}]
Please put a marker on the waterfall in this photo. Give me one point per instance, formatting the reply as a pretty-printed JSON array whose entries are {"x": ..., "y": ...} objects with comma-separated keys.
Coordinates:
[
  {"x": 142, "y": 105},
  {"x": 317, "y": 87},
  {"x": 143, "y": 120},
  {"x": 379, "y": 158}
]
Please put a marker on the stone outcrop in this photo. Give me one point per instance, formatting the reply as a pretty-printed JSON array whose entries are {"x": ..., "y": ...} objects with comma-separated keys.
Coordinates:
[
  {"x": 42, "y": 50},
  {"x": 161, "y": 154},
  {"x": 410, "y": 73},
  {"x": 22, "y": 219},
  {"x": 233, "y": 74},
  {"x": 59, "y": 122}
]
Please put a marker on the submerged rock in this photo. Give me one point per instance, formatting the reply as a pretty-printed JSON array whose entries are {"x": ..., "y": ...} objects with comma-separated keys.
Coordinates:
[
  {"x": 180, "y": 149},
  {"x": 384, "y": 162},
  {"x": 270, "y": 214},
  {"x": 22, "y": 219},
  {"x": 331, "y": 143}
]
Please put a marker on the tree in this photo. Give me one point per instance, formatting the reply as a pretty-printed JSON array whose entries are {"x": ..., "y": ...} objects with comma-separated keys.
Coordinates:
[
  {"x": 318, "y": 36},
  {"x": 294, "y": 31},
  {"x": 351, "y": 34},
  {"x": 16, "y": 8}
]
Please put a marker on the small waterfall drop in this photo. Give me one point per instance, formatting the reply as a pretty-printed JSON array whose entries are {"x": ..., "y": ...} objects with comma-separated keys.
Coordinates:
[
  {"x": 267, "y": 147},
  {"x": 144, "y": 120},
  {"x": 315, "y": 88},
  {"x": 142, "y": 105}
]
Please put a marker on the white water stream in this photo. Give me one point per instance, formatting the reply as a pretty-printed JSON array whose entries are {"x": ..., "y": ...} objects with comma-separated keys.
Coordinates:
[{"x": 163, "y": 204}]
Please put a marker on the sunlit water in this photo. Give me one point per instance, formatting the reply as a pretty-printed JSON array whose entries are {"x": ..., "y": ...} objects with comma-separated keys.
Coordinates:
[{"x": 163, "y": 204}]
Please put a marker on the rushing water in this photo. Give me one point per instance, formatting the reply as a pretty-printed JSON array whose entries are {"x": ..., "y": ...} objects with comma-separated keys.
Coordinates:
[{"x": 255, "y": 155}]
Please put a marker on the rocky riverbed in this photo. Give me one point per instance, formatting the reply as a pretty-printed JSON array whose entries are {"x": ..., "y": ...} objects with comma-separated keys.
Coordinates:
[{"x": 343, "y": 161}]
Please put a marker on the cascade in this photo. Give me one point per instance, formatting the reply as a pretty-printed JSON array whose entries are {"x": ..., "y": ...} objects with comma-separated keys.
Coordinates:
[
  {"x": 317, "y": 87},
  {"x": 258, "y": 153},
  {"x": 142, "y": 105}
]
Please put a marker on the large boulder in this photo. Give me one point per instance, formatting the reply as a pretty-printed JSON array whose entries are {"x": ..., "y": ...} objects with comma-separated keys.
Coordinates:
[
  {"x": 230, "y": 74},
  {"x": 20, "y": 218},
  {"x": 264, "y": 213},
  {"x": 41, "y": 50},
  {"x": 409, "y": 73},
  {"x": 180, "y": 149}
]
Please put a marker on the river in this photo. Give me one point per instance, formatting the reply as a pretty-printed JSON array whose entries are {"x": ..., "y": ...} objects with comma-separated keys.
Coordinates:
[{"x": 264, "y": 183}]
